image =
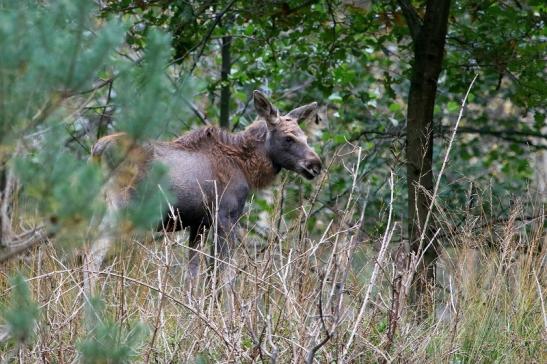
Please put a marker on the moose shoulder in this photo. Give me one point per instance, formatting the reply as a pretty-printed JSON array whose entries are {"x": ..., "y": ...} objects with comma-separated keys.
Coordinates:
[{"x": 210, "y": 172}]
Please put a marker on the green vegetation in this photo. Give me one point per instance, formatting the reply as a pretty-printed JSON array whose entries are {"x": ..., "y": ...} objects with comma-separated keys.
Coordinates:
[
  {"x": 21, "y": 312},
  {"x": 106, "y": 342},
  {"x": 325, "y": 269}
]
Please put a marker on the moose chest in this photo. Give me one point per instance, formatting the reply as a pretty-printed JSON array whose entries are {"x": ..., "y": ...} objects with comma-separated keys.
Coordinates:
[{"x": 199, "y": 190}]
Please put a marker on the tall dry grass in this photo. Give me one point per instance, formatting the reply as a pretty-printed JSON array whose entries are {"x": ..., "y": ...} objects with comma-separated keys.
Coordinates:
[{"x": 335, "y": 296}]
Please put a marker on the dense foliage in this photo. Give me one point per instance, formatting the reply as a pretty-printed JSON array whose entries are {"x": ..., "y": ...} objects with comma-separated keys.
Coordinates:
[
  {"x": 355, "y": 57},
  {"x": 73, "y": 71}
]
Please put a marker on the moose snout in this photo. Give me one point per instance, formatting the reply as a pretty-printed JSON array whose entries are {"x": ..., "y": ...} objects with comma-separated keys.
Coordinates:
[{"x": 312, "y": 166}]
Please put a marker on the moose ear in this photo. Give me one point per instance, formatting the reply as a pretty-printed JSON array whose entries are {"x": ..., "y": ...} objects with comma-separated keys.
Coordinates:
[
  {"x": 303, "y": 112},
  {"x": 264, "y": 108}
]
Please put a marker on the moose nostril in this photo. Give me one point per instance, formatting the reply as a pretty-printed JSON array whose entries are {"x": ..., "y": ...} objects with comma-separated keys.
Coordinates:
[
  {"x": 317, "y": 165},
  {"x": 314, "y": 166}
]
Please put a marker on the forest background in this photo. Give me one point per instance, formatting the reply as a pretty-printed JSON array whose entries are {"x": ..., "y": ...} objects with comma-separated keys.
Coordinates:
[{"x": 422, "y": 241}]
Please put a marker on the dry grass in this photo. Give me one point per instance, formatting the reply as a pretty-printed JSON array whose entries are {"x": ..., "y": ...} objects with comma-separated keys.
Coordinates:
[{"x": 331, "y": 297}]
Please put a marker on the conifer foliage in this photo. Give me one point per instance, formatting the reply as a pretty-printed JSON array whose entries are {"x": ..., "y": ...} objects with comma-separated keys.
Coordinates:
[{"x": 56, "y": 57}]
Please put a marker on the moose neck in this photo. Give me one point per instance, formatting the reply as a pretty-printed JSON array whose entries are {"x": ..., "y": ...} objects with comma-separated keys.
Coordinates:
[{"x": 247, "y": 150}]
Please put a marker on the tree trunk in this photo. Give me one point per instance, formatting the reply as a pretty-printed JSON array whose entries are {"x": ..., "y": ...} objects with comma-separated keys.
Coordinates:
[
  {"x": 7, "y": 188},
  {"x": 428, "y": 41},
  {"x": 2, "y": 188},
  {"x": 225, "y": 84}
]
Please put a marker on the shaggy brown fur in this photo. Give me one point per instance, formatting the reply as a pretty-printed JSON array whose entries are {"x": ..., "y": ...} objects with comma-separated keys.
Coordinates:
[{"x": 244, "y": 150}]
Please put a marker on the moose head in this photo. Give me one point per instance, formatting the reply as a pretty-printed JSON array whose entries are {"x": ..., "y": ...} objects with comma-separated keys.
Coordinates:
[{"x": 286, "y": 143}]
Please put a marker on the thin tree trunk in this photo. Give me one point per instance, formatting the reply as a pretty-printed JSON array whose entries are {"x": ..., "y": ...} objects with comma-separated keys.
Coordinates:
[
  {"x": 428, "y": 41},
  {"x": 225, "y": 85},
  {"x": 2, "y": 188},
  {"x": 7, "y": 186}
]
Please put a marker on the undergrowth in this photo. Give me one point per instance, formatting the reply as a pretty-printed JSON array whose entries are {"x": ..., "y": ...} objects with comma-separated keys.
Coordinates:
[{"x": 295, "y": 297}]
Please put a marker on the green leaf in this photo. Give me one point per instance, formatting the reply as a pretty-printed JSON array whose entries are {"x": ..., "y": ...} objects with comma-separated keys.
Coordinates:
[
  {"x": 394, "y": 107},
  {"x": 452, "y": 106}
]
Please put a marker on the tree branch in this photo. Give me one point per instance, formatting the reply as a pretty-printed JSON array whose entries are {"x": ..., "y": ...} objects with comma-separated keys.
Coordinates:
[
  {"x": 201, "y": 116},
  {"x": 328, "y": 335},
  {"x": 412, "y": 18},
  {"x": 25, "y": 242},
  {"x": 225, "y": 83},
  {"x": 514, "y": 136},
  {"x": 218, "y": 17}
]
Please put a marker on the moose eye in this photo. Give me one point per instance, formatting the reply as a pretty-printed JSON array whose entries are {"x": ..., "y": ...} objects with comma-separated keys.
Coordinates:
[{"x": 289, "y": 140}]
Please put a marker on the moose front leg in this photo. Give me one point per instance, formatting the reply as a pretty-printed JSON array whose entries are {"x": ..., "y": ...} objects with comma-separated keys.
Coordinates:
[
  {"x": 197, "y": 233},
  {"x": 226, "y": 237},
  {"x": 223, "y": 265},
  {"x": 222, "y": 250}
]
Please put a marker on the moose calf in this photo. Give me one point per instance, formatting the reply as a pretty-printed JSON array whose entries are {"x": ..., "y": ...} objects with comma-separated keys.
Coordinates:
[{"x": 210, "y": 172}]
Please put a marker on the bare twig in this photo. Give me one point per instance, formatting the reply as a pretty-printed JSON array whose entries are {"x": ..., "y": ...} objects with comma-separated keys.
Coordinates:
[
  {"x": 163, "y": 286},
  {"x": 396, "y": 290},
  {"x": 198, "y": 314},
  {"x": 218, "y": 17},
  {"x": 441, "y": 172},
  {"x": 100, "y": 126},
  {"x": 386, "y": 239},
  {"x": 328, "y": 335},
  {"x": 540, "y": 294},
  {"x": 201, "y": 116}
]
